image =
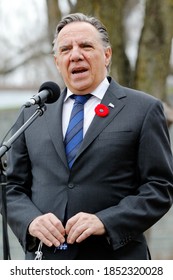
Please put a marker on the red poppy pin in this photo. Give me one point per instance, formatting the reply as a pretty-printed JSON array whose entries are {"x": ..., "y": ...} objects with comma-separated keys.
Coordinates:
[{"x": 101, "y": 110}]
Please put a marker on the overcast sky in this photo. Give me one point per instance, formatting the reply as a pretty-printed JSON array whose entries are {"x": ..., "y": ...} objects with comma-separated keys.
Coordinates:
[{"x": 18, "y": 18}]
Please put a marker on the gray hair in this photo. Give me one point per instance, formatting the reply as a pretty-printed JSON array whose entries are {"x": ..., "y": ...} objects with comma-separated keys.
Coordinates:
[{"x": 79, "y": 17}]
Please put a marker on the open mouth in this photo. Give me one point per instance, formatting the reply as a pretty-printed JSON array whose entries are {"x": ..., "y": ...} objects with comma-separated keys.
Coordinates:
[{"x": 79, "y": 70}]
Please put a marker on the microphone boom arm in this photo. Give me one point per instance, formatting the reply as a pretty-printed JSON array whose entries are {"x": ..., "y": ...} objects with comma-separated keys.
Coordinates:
[
  {"x": 3, "y": 149},
  {"x": 7, "y": 145}
]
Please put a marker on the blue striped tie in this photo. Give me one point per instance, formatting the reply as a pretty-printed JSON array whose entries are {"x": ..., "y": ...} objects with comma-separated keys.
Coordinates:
[{"x": 74, "y": 134}]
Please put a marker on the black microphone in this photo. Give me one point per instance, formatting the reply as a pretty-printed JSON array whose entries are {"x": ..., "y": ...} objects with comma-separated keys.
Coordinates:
[{"x": 49, "y": 92}]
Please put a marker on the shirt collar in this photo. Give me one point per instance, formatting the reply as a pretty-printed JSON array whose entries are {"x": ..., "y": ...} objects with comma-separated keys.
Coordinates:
[{"x": 98, "y": 92}]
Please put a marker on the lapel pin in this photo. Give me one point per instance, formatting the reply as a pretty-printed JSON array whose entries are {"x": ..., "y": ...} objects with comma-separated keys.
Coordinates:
[
  {"x": 111, "y": 105},
  {"x": 101, "y": 110}
]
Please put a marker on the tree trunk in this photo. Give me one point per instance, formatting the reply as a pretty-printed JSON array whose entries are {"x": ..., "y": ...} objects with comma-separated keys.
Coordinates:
[
  {"x": 111, "y": 14},
  {"x": 54, "y": 15},
  {"x": 152, "y": 65}
]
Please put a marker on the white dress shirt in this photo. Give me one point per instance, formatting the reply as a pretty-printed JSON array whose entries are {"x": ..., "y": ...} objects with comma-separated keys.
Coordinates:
[{"x": 89, "y": 106}]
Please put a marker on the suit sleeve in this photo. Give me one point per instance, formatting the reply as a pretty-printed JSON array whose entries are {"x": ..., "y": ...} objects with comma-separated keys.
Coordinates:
[
  {"x": 20, "y": 209},
  {"x": 152, "y": 199}
]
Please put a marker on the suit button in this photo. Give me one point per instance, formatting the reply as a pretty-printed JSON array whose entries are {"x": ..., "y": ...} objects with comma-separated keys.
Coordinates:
[{"x": 71, "y": 185}]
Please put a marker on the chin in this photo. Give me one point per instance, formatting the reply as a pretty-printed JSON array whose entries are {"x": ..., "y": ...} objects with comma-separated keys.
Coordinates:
[{"x": 84, "y": 88}]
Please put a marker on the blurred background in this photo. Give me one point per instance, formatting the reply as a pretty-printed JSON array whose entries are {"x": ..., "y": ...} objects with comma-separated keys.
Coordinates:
[{"x": 141, "y": 33}]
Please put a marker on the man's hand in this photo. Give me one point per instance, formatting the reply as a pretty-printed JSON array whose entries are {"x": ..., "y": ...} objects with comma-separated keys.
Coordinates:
[
  {"x": 82, "y": 225},
  {"x": 49, "y": 229}
]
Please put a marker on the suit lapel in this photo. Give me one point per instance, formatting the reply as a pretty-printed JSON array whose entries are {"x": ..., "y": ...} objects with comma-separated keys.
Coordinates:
[
  {"x": 114, "y": 95},
  {"x": 54, "y": 124}
]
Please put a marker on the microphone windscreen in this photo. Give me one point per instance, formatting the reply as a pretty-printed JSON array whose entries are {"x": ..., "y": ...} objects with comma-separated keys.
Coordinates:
[{"x": 53, "y": 89}]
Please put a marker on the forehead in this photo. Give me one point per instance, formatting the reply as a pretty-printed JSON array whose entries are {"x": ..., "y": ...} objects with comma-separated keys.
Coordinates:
[{"x": 80, "y": 30}]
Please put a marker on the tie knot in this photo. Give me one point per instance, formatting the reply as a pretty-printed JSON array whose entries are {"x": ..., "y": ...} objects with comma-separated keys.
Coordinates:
[{"x": 82, "y": 99}]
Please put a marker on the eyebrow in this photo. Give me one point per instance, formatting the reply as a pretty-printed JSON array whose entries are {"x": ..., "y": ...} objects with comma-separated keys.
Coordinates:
[
  {"x": 87, "y": 43},
  {"x": 64, "y": 46},
  {"x": 82, "y": 43}
]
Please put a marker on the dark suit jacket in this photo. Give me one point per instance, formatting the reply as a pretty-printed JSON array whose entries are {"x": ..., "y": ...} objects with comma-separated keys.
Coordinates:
[{"x": 123, "y": 173}]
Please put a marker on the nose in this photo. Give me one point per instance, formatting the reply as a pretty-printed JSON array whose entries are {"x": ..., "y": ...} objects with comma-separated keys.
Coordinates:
[{"x": 76, "y": 54}]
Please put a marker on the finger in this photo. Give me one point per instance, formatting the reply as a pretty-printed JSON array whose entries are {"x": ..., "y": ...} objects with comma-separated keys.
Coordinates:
[
  {"x": 47, "y": 235},
  {"x": 42, "y": 237},
  {"x": 79, "y": 234},
  {"x": 82, "y": 226},
  {"x": 52, "y": 232},
  {"x": 71, "y": 222},
  {"x": 76, "y": 225},
  {"x": 57, "y": 224},
  {"x": 84, "y": 235},
  {"x": 48, "y": 229}
]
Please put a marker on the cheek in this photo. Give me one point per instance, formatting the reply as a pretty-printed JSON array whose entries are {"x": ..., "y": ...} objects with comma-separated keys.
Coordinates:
[
  {"x": 100, "y": 61},
  {"x": 57, "y": 64},
  {"x": 99, "y": 64},
  {"x": 62, "y": 68},
  {"x": 93, "y": 62},
  {"x": 61, "y": 64}
]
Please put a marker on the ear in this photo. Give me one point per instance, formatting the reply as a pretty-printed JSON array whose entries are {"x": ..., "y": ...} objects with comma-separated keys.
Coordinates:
[
  {"x": 56, "y": 62},
  {"x": 108, "y": 55}
]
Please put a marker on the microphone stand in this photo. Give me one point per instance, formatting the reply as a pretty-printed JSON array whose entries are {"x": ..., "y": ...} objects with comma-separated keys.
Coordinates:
[
  {"x": 6, "y": 250},
  {"x": 3, "y": 180}
]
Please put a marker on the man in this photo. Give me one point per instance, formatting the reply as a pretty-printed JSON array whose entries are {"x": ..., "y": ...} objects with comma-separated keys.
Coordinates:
[{"x": 98, "y": 203}]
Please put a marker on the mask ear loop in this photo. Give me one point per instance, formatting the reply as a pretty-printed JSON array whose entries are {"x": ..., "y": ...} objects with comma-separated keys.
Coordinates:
[{"x": 39, "y": 253}]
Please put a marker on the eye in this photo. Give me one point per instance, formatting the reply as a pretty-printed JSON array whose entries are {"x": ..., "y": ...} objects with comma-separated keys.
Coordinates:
[
  {"x": 87, "y": 46},
  {"x": 65, "y": 49}
]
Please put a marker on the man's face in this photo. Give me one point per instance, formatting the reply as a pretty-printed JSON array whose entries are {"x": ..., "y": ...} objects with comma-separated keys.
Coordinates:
[{"x": 81, "y": 58}]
